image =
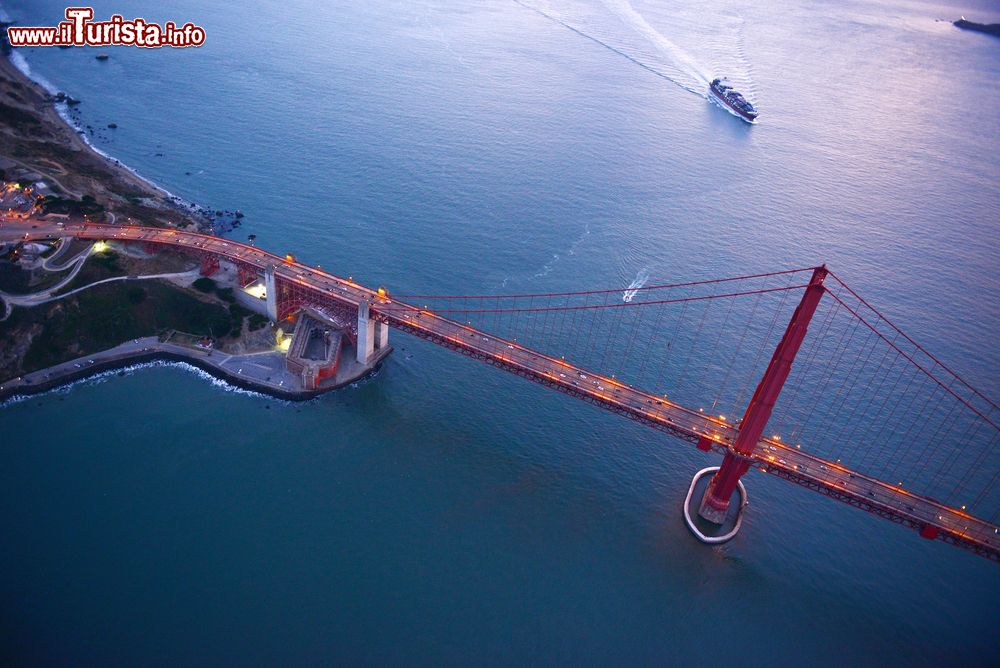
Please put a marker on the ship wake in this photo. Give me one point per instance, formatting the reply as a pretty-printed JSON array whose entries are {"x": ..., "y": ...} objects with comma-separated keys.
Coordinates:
[{"x": 619, "y": 27}]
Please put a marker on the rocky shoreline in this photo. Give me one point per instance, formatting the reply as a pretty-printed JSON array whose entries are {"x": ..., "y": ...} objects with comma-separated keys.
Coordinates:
[
  {"x": 148, "y": 351},
  {"x": 52, "y": 134},
  {"x": 39, "y": 143}
]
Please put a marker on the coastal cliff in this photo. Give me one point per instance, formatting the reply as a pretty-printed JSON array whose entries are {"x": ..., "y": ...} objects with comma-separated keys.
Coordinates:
[
  {"x": 41, "y": 154},
  {"x": 35, "y": 139}
]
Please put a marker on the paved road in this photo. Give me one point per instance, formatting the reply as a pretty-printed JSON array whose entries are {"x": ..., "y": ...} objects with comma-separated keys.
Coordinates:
[
  {"x": 771, "y": 456},
  {"x": 265, "y": 371},
  {"x": 75, "y": 367}
]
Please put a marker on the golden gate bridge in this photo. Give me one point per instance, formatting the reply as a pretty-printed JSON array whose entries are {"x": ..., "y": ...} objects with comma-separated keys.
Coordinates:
[{"x": 790, "y": 372}]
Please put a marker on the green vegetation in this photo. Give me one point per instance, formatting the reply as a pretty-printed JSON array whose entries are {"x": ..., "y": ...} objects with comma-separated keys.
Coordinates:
[
  {"x": 106, "y": 260},
  {"x": 44, "y": 280},
  {"x": 256, "y": 322},
  {"x": 86, "y": 206},
  {"x": 109, "y": 314},
  {"x": 97, "y": 267},
  {"x": 204, "y": 284},
  {"x": 208, "y": 286},
  {"x": 238, "y": 314},
  {"x": 136, "y": 295},
  {"x": 13, "y": 279}
]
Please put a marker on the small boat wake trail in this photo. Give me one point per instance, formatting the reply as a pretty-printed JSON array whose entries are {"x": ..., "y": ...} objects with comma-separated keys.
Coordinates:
[
  {"x": 547, "y": 268},
  {"x": 633, "y": 288}
]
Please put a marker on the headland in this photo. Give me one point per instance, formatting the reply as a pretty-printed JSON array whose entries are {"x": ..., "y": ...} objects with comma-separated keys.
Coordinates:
[{"x": 70, "y": 309}]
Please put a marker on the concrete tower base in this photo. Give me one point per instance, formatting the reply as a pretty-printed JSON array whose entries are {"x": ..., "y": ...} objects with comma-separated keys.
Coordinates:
[{"x": 713, "y": 540}]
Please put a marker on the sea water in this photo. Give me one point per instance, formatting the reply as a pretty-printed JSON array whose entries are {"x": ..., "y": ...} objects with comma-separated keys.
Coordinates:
[{"x": 443, "y": 512}]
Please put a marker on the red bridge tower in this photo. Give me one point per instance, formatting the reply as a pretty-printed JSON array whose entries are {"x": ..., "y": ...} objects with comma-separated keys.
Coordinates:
[{"x": 715, "y": 503}]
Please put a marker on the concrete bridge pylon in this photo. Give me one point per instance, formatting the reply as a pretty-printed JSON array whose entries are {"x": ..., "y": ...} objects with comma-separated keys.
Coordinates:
[
  {"x": 271, "y": 293},
  {"x": 373, "y": 335}
]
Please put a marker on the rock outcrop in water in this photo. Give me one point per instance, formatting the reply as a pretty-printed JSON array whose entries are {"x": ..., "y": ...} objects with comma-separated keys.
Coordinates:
[{"x": 988, "y": 28}]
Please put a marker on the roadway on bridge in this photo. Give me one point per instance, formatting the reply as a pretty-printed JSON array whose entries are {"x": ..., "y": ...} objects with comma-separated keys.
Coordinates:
[{"x": 771, "y": 456}]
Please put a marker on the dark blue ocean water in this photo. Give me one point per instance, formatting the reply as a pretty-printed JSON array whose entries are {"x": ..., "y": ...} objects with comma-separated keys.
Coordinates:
[{"x": 443, "y": 512}]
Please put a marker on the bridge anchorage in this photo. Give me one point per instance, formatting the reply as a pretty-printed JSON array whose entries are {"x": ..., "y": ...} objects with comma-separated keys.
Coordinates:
[{"x": 715, "y": 502}]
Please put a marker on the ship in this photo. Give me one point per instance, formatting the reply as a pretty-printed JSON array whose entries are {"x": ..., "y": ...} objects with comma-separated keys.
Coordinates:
[{"x": 728, "y": 96}]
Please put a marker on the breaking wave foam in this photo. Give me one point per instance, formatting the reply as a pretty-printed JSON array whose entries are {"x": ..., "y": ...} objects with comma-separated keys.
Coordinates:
[
  {"x": 103, "y": 376},
  {"x": 19, "y": 61},
  {"x": 633, "y": 288}
]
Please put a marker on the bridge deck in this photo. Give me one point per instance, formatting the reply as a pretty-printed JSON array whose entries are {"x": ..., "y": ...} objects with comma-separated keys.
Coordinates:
[{"x": 829, "y": 478}]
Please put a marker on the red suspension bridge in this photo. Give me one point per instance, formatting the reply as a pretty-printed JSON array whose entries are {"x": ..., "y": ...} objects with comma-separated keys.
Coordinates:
[{"x": 829, "y": 393}]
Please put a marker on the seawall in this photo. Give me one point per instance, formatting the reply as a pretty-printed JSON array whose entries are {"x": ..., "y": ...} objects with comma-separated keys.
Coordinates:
[{"x": 129, "y": 355}]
